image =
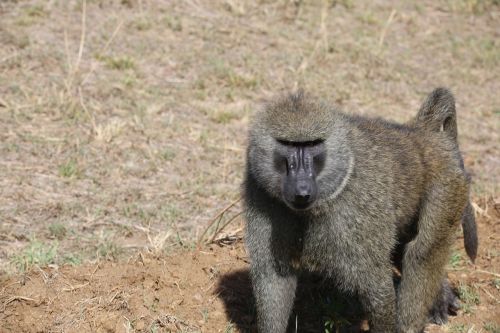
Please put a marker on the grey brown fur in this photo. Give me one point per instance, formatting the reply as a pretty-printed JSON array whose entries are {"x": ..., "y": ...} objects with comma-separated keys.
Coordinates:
[{"x": 389, "y": 194}]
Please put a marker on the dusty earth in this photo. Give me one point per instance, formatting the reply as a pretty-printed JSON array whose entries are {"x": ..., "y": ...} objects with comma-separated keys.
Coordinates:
[
  {"x": 208, "y": 290},
  {"x": 122, "y": 137}
]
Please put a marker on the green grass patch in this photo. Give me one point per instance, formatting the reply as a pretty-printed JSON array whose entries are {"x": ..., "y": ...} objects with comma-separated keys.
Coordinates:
[
  {"x": 231, "y": 78},
  {"x": 168, "y": 154},
  {"x": 170, "y": 212},
  {"x": 142, "y": 24},
  {"x": 109, "y": 249},
  {"x": 37, "y": 253},
  {"x": 492, "y": 327},
  {"x": 57, "y": 230},
  {"x": 334, "y": 320},
  {"x": 172, "y": 22},
  {"x": 458, "y": 328},
  {"x": 456, "y": 260},
  {"x": 36, "y": 11},
  {"x": 229, "y": 328},
  {"x": 120, "y": 63},
  {"x": 469, "y": 296},
  {"x": 129, "y": 80},
  {"x": 223, "y": 116},
  {"x": 31, "y": 15},
  {"x": 72, "y": 259},
  {"x": 476, "y": 7},
  {"x": 69, "y": 169},
  {"x": 487, "y": 51}
]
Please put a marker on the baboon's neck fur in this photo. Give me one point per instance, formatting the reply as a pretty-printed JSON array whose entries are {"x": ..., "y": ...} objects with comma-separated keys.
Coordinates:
[{"x": 282, "y": 115}]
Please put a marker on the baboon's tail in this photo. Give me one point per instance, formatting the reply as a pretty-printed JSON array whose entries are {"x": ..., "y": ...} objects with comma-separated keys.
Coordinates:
[
  {"x": 470, "y": 232},
  {"x": 438, "y": 114}
]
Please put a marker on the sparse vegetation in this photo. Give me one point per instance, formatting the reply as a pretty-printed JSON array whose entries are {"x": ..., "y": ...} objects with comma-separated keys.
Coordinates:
[
  {"x": 36, "y": 11},
  {"x": 69, "y": 169},
  {"x": 477, "y": 7},
  {"x": 492, "y": 327},
  {"x": 142, "y": 24},
  {"x": 72, "y": 259},
  {"x": 57, "y": 230},
  {"x": 229, "y": 328},
  {"x": 117, "y": 62},
  {"x": 456, "y": 259},
  {"x": 173, "y": 23},
  {"x": 334, "y": 308},
  {"x": 36, "y": 253},
  {"x": 458, "y": 328},
  {"x": 168, "y": 154},
  {"x": 469, "y": 296},
  {"x": 224, "y": 117},
  {"x": 108, "y": 249}
]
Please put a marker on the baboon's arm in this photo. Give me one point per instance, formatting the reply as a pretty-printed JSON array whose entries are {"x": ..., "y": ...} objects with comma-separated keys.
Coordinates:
[
  {"x": 273, "y": 282},
  {"x": 274, "y": 300}
]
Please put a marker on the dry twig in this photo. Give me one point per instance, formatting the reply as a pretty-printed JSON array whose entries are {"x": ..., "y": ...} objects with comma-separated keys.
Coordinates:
[
  {"x": 386, "y": 28},
  {"x": 17, "y": 298},
  {"x": 216, "y": 218}
]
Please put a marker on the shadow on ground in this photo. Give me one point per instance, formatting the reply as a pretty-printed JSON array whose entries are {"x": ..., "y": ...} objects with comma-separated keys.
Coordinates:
[{"x": 318, "y": 308}]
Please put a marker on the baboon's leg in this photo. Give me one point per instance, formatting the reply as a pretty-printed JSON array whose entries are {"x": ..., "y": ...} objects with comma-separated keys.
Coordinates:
[
  {"x": 379, "y": 301},
  {"x": 363, "y": 273},
  {"x": 425, "y": 257},
  {"x": 446, "y": 301}
]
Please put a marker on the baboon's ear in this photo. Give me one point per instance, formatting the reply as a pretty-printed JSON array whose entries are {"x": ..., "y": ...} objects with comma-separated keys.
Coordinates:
[
  {"x": 439, "y": 101},
  {"x": 437, "y": 113}
]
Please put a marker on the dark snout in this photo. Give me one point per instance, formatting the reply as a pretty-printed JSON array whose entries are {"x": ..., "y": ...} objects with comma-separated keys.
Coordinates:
[
  {"x": 303, "y": 192},
  {"x": 300, "y": 192}
]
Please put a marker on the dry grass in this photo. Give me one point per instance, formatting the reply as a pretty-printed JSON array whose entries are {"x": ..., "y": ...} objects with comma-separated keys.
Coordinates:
[{"x": 122, "y": 123}]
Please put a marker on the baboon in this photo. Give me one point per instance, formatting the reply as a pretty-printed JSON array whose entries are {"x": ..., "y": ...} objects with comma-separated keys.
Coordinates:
[{"x": 351, "y": 198}]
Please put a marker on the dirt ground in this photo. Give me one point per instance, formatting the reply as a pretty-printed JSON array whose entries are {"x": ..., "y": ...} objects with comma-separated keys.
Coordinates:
[
  {"x": 208, "y": 290},
  {"x": 122, "y": 143}
]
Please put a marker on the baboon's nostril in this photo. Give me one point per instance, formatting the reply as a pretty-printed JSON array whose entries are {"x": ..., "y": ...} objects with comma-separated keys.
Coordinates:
[
  {"x": 302, "y": 197},
  {"x": 303, "y": 190}
]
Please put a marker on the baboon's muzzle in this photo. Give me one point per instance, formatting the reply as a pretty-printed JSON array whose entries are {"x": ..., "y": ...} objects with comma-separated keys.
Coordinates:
[{"x": 300, "y": 189}]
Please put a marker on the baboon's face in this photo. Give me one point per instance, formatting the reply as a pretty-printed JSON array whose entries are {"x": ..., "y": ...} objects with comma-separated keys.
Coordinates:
[{"x": 298, "y": 164}]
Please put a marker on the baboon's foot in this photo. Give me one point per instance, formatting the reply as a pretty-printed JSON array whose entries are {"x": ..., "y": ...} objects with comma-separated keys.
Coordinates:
[{"x": 446, "y": 304}]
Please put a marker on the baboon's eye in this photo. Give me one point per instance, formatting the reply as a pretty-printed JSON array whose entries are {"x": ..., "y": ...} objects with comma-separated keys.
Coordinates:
[
  {"x": 319, "y": 162},
  {"x": 291, "y": 156},
  {"x": 301, "y": 143},
  {"x": 280, "y": 162}
]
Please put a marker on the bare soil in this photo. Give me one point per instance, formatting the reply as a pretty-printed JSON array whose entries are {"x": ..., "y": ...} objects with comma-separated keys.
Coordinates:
[{"x": 208, "y": 290}]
